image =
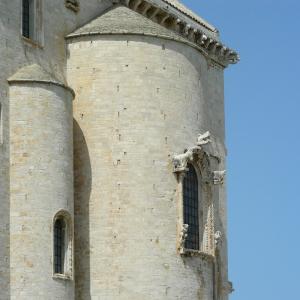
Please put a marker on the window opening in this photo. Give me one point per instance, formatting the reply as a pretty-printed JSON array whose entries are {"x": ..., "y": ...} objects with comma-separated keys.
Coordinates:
[
  {"x": 28, "y": 19},
  {"x": 59, "y": 246},
  {"x": 191, "y": 208}
]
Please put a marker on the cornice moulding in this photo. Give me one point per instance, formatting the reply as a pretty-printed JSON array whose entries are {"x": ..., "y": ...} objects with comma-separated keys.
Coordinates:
[
  {"x": 195, "y": 30},
  {"x": 154, "y": 18}
]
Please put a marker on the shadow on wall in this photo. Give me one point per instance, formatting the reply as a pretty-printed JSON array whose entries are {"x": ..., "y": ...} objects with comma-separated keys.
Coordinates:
[{"x": 82, "y": 191}]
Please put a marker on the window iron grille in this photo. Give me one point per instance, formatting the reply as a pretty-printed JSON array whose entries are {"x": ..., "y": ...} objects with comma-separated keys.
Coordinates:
[
  {"x": 191, "y": 208},
  {"x": 26, "y": 18},
  {"x": 59, "y": 237}
]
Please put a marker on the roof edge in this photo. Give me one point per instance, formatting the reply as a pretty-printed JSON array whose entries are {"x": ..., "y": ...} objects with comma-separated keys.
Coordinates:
[
  {"x": 36, "y": 74},
  {"x": 195, "y": 36}
]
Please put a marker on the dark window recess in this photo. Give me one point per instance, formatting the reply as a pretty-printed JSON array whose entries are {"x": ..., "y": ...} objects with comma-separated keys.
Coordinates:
[
  {"x": 191, "y": 208},
  {"x": 59, "y": 237},
  {"x": 26, "y": 19}
]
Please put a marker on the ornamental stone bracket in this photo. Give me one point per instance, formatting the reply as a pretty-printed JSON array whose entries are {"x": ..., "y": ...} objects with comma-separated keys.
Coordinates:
[{"x": 199, "y": 33}]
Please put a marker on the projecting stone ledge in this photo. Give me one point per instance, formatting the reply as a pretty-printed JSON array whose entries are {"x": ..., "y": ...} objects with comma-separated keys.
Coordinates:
[{"x": 35, "y": 73}]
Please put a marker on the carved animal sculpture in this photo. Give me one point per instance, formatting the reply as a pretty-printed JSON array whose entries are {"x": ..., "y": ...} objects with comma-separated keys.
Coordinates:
[{"x": 204, "y": 138}]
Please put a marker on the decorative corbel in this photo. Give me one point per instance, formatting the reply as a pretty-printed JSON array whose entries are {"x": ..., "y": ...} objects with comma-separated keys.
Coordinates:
[
  {"x": 219, "y": 177},
  {"x": 137, "y": 4},
  {"x": 146, "y": 8},
  {"x": 163, "y": 19},
  {"x": 187, "y": 29},
  {"x": 218, "y": 50},
  {"x": 203, "y": 39},
  {"x": 154, "y": 13}
]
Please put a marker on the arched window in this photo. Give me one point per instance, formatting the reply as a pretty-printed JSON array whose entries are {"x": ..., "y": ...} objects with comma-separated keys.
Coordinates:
[
  {"x": 191, "y": 208},
  {"x": 59, "y": 247},
  {"x": 62, "y": 245}
]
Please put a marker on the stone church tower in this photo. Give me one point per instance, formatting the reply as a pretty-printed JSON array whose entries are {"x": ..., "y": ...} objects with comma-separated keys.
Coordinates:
[{"x": 112, "y": 155}]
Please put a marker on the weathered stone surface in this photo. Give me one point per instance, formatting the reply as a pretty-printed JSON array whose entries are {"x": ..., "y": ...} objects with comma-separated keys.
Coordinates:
[
  {"x": 112, "y": 22},
  {"x": 41, "y": 174},
  {"x": 138, "y": 101},
  {"x": 144, "y": 92}
]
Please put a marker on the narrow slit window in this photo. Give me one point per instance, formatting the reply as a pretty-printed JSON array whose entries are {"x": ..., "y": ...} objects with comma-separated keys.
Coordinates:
[
  {"x": 63, "y": 245},
  {"x": 28, "y": 19},
  {"x": 191, "y": 208},
  {"x": 59, "y": 247}
]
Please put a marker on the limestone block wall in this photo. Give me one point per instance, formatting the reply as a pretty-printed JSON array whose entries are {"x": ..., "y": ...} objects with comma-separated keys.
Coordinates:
[
  {"x": 15, "y": 53},
  {"x": 139, "y": 100},
  {"x": 41, "y": 174}
]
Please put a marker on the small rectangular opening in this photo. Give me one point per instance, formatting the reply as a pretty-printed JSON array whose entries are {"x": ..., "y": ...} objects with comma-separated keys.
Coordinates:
[{"x": 28, "y": 19}]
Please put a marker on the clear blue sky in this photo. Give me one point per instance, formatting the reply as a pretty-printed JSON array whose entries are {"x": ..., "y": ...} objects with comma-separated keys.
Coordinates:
[{"x": 263, "y": 111}]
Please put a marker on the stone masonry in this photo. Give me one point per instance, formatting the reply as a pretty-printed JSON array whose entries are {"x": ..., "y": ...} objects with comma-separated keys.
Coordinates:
[{"x": 100, "y": 114}]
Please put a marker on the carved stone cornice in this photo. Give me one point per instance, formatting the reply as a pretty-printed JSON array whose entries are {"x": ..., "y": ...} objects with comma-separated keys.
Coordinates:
[
  {"x": 180, "y": 7},
  {"x": 195, "y": 31}
]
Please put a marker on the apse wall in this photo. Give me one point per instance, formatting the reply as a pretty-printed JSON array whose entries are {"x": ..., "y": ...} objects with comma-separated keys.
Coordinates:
[
  {"x": 139, "y": 100},
  {"x": 41, "y": 176}
]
